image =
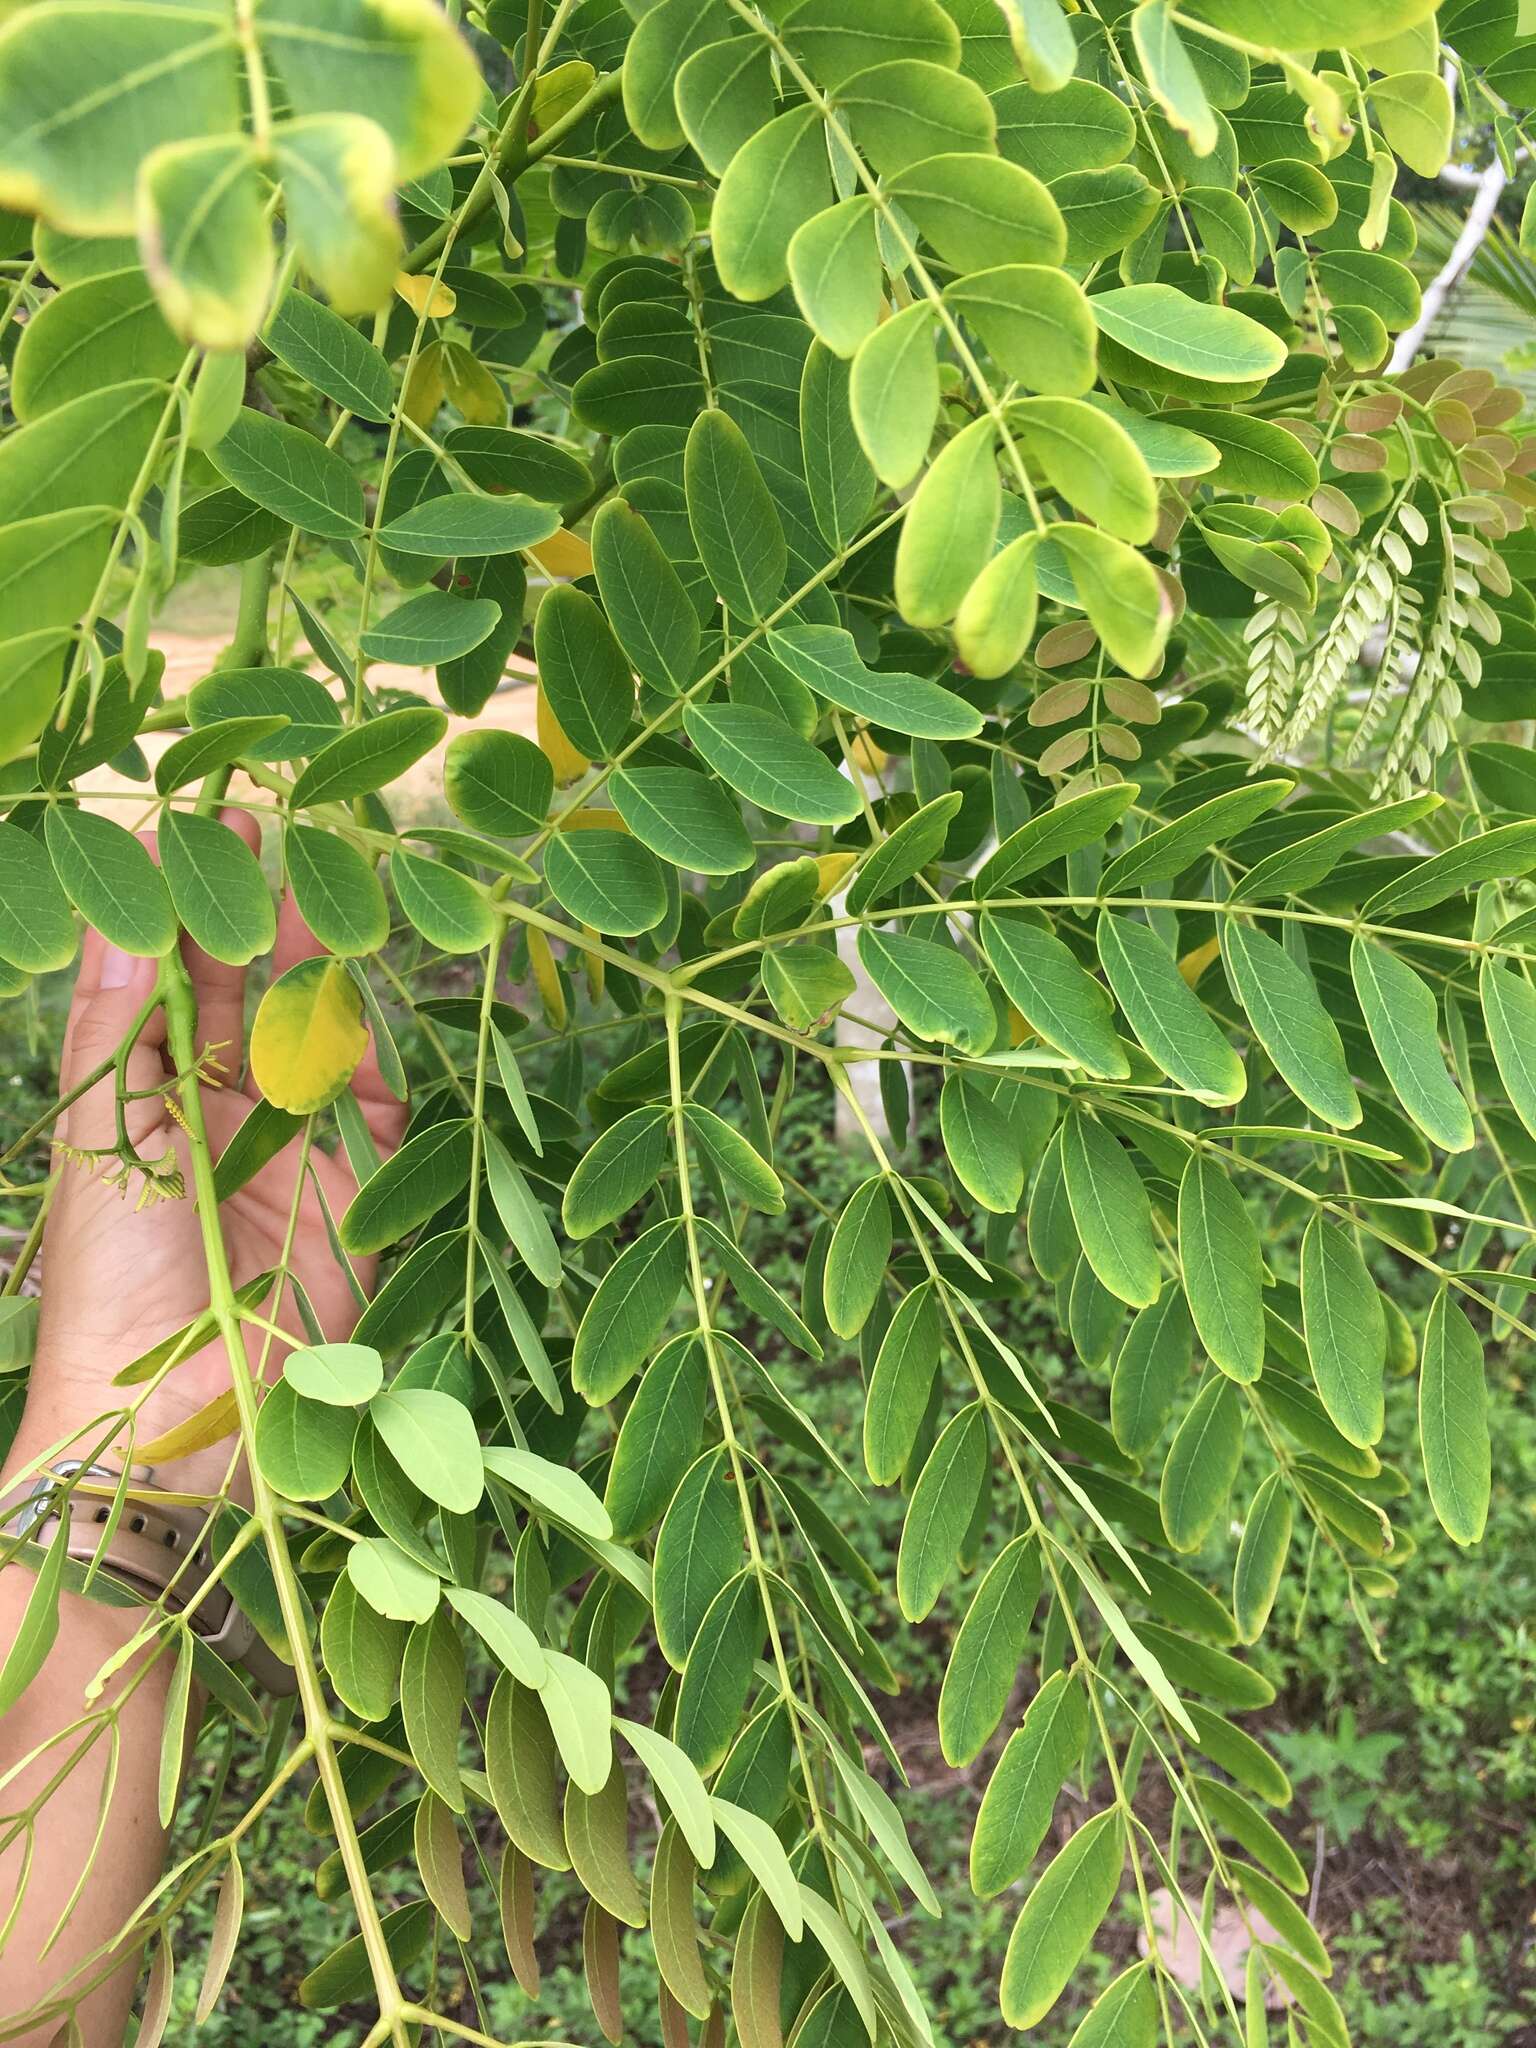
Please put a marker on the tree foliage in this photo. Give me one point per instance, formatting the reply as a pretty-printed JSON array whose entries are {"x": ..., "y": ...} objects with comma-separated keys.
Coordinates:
[{"x": 941, "y": 458}]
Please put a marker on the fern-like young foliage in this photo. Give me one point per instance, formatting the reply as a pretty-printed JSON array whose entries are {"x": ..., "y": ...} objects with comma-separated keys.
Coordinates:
[{"x": 936, "y": 459}]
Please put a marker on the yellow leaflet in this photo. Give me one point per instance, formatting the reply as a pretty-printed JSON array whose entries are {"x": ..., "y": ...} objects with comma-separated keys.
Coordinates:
[
  {"x": 832, "y": 871},
  {"x": 563, "y": 757},
  {"x": 593, "y": 819},
  {"x": 426, "y": 296},
  {"x": 309, "y": 1036},
  {"x": 547, "y": 980},
  {"x": 564, "y": 554},
  {"x": 210, "y": 1425},
  {"x": 1194, "y": 964}
]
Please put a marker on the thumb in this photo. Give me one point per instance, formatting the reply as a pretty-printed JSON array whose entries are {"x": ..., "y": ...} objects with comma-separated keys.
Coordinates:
[{"x": 110, "y": 991}]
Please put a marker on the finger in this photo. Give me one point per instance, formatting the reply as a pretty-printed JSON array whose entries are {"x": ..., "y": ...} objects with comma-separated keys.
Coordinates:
[
  {"x": 218, "y": 986},
  {"x": 295, "y": 940},
  {"x": 384, "y": 1116},
  {"x": 111, "y": 989}
]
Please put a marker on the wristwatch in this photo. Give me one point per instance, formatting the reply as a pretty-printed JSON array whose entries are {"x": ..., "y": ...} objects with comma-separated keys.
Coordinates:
[{"x": 149, "y": 1549}]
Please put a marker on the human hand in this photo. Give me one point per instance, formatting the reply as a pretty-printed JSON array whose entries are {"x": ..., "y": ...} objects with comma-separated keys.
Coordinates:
[{"x": 119, "y": 1276}]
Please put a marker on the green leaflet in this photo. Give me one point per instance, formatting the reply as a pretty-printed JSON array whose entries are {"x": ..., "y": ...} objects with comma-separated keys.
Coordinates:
[
  {"x": 838, "y": 477},
  {"x": 951, "y": 524},
  {"x": 109, "y": 877},
  {"x": 462, "y": 526},
  {"x": 1169, "y": 71},
  {"x": 627, "y": 1313},
  {"x": 1453, "y": 1421},
  {"x": 318, "y": 344},
  {"x": 1215, "y": 342},
  {"x": 446, "y": 907},
  {"x": 432, "y": 1437},
  {"x": 938, "y": 995},
  {"x": 1120, "y": 591},
  {"x": 826, "y": 660},
  {"x": 987, "y": 1651},
  {"x": 697, "y": 1553},
  {"x": 1053, "y": 994},
  {"x": 735, "y": 526},
  {"x": 1290, "y": 1022},
  {"x": 362, "y": 1651},
  {"x": 901, "y": 853},
  {"x": 940, "y": 1510},
  {"x": 1202, "y": 1462},
  {"x": 217, "y": 887},
  {"x": 617, "y": 1170},
  {"x": 1110, "y": 1210},
  {"x": 1091, "y": 461},
  {"x": 1403, "y": 1019},
  {"x": 718, "y": 1674},
  {"x": 291, "y": 474},
  {"x": 1123, "y": 2016},
  {"x": 1506, "y": 851},
  {"x": 432, "y": 1701},
  {"x": 431, "y": 629},
  {"x": 857, "y": 1258},
  {"x": 893, "y": 394},
  {"x": 1060, "y": 1918},
  {"x": 1165, "y": 1014},
  {"x": 37, "y": 931},
  {"x": 421, "y": 1178},
  {"x": 338, "y": 894},
  {"x": 978, "y": 210},
  {"x": 497, "y": 782},
  {"x": 1223, "y": 1268},
  {"x": 367, "y": 756},
  {"x": 981, "y": 1141},
  {"x": 1021, "y": 1795},
  {"x": 834, "y": 266},
  {"x": 583, "y": 672},
  {"x": 1152, "y": 1365},
  {"x": 1074, "y": 822},
  {"x": 1261, "y": 1557},
  {"x": 805, "y": 984},
  {"x": 769, "y": 765},
  {"x": 1168, "y": 850},
  {"x": 606, "y": 880},
  {"x": 1346, "y": 1329},
  {"x": 658, "y": 1438},
  {"x": 900, "y": 1383},
  {"x": 770, "y": 188},
  {"x": 1298, "y": 867},
  {"x": 1509, "y": 1007},
  {"x": 303, "y": 1447}
]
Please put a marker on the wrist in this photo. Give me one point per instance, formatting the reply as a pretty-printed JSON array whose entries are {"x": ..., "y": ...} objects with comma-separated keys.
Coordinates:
[{"x": 60, "y": 1422}]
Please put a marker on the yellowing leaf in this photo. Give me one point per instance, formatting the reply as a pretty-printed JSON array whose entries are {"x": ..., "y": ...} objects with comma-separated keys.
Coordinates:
[
  {"x": 426, "y": 296},
  {"x": 563, "y": 757},
  {"x": 426, "y": 386},
  {"x": 1196, "y": 961},
  {"x": 309, "y": 1036},
  {"x": 564, "y": 554},
  {"x": 866, "y": 756},
  {"x": 594, "y": 818},
  {"x": 546, "y": 977},
  {"x": 832, "y": 871},
  {"x": 213, "y": 1422}
]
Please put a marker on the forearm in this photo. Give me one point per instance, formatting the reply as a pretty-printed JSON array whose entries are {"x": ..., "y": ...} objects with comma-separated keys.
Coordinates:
[{"x": 66, "y": 1751}]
